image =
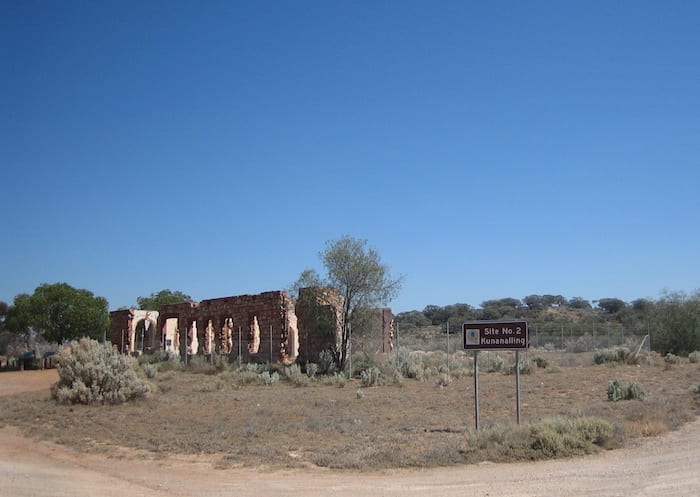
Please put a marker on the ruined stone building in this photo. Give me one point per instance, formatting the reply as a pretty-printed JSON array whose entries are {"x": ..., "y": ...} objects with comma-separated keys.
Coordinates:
[{"x": 267, "y": 327}]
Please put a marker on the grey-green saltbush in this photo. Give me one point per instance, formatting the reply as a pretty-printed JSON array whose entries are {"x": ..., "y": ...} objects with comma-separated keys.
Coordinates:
[
  {"x": 336, "y": 380},
  {"x": 671, "y": 359},
  {"x": 326, "y": 362},
  {"x": 93, "y": 373},
  {"x": 540, "y": 361},
  {"x": 621, "y": 390},
  {"x": 311, "y": 369},
  {"x": 584, "y": 343},
  {"x": 617, "y": 354},
  {"x": 694, "y": 357},
  {"x": 294, "y": 374},
  {"x": 411, "y": 364},
  {"x": 370, "y": 377},
  {"x": 151, "y": 370},
  {"x": 565, "y": 437},
  {"x": 525, "y": 367},
  {"x": 269, "y": 379}
]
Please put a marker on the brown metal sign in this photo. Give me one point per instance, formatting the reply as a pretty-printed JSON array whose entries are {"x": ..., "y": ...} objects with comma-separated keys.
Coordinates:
[{"x": 490, "y": 335}]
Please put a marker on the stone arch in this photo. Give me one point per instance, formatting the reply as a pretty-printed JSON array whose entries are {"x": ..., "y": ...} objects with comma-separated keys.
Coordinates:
[{"x": 144, "y": 334}]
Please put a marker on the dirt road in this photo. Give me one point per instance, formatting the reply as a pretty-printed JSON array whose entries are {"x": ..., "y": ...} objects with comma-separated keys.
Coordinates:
[{"x": 663, "y": 466}]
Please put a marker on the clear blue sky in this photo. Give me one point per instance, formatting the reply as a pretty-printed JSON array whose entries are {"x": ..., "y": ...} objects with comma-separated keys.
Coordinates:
[{"x": 485, "y": 149}]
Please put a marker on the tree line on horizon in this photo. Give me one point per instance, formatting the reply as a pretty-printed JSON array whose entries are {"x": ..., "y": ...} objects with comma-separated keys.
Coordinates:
[
  {"x": 674, "y": 317},
  {"x": 58, "y": 312}
]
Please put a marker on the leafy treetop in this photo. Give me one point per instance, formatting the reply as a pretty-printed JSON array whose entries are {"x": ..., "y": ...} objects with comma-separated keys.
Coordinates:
[
  {"x": 156, "y": 299},
  {"x": 58, "y": 312}
]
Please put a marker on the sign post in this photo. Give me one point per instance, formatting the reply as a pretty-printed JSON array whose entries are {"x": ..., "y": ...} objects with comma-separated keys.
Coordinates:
[{"x": 495, "y": 335}]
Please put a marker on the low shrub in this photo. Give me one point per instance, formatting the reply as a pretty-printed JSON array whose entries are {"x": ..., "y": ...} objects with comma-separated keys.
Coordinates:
[
  {"x": 435, "y": 359},
  {"x": 671, "y": 359},
  {"x": 585, "y": 343},
  {"x": 491, "y": 362},
  {"x": 94, "y": 373},
  {"x": 370, "y": 377},
  {"x": 337, "y": 380},
  {"x": 326, "y": 362},
  {"x": 269, "y": 379},
  {"x": 694, "y": 357},
  {"x": 545, "y": 439},
  {"x": 411, "y": 364},
  {"x": 158, "y": 356},
  {"x": 443, "y": 381},
  {"x": 311, "y": 369},
  {"x": 621, "y": 390},
  {"x": 611, "y": 356},
  {"x": 561, "y": 437},
  {"x": 362, "y": 362},
  {"x": 294, "y": 374},
  {"x": 525, "y": 367},
  {"x": 554, "y": 368},
  {"x": 246, "y": 374},
  {"x": 540, "y": 362},
  {"x": 150, "y": 370},
  {"x": 201, "y": 365}
]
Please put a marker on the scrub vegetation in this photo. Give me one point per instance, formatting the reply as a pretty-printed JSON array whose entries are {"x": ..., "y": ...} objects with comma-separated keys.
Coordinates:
[{"x": 252, "y": 415}]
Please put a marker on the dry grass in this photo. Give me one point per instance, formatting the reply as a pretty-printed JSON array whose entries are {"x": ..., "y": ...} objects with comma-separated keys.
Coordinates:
[{"x": 411, "y": 424}]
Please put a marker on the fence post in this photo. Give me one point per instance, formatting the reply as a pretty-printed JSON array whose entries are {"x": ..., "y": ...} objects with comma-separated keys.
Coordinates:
[{"x": 448, "y": 350}]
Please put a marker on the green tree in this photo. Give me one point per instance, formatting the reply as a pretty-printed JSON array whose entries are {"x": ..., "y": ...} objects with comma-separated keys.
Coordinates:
[
  {"x": 4, "y": 308},
  {"x": 156, "y": 299},
  {"x": 677, "y": 323},
  {"x": 5, "y": 336},
  {"x": 363, "y": 280},
  {"x": 534, "y": 302},
  {"x": 412, "y": 319},
  {"x": 611, "y": 305},
  {"x": 501, "y": 308},
  {"x": 58, "y": 312},
  {"x": 579, "y": 303},
  {"x": 307, "y": 278}
]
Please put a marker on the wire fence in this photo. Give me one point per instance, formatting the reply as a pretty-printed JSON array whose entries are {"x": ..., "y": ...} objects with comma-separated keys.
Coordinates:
[{"x": 550, "y": 336}]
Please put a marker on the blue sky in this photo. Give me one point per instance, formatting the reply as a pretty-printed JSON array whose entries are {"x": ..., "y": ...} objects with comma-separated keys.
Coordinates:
[{"x": 485, "y": 149}]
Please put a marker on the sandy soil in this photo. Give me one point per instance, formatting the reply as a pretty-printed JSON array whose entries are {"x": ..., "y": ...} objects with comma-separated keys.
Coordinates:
[{"x": 663, "y": 466}]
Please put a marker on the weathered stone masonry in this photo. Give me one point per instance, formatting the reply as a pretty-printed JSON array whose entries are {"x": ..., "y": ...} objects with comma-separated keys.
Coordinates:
[{"x": 255, "y": 328}]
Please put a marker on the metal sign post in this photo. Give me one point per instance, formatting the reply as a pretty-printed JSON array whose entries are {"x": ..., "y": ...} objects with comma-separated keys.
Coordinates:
[
  {"x": 476, "y": 388},
  {"x": 495, "y": 335},
  {"x": 517, "y": 385}
]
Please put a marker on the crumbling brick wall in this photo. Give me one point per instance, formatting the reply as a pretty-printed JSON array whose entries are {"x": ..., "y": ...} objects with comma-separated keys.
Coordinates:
[
  {"x": 319, "y": 311},
  {"x": 256, "y": 328},
  {"x": 267, "y": 327},
  {"x": 119, "y": 326},
  {"x": 133, "y": 330}
]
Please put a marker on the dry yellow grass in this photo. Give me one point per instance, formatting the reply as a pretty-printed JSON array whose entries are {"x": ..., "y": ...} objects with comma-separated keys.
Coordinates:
[{"x": 416, "y": 424}]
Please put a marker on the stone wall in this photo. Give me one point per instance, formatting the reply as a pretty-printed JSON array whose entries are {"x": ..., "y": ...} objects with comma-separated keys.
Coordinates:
[
  {"x": 387, "y": 324},
  {"x": 319, "y": 311},
  {"x": 267, "y": 327},
  {"x": 256, "y": 328},
  {"x": 133, "y": 330}
]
